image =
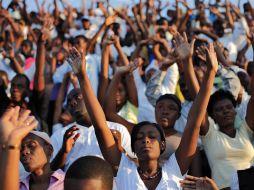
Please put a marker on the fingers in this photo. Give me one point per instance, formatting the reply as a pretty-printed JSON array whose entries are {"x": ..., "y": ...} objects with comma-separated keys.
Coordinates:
[
  {"x": 8, "y": 114},
  {"x": 15, "y": 115},
  {"x": 23, "y": 116}
]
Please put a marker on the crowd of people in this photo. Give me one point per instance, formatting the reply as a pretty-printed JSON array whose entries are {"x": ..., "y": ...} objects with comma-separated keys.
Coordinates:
[{"x": 150, "y": 96}]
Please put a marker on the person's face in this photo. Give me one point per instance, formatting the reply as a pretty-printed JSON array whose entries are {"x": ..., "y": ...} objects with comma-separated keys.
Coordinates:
[
  {"x": 223, "y": 113},
  {"x": 26, "y": 50},
  {"x": 147, "y": 145},
  {"x": 18, "y": 89},
  {"x": 75, "y": 104},
  {"x": 60, "y": 56},
  {"x": 166, "y": 113},
  {"x": 120, "y": 94},
  {"x": 86, "y": 25},
  {"x": 34, "y": 154},
  {"x": 84, "y": 184},
  {"x": 80, "y": 44}
]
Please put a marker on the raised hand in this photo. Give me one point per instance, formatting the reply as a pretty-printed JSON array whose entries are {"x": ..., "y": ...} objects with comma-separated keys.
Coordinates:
[
  {"x": 182, "y": 47},
  {"x": 127, "y": 68},
  {"x": 47, "y": 26},
  {"x": 211, "y": 57},
  {"x": 15, "y": 125},
  {"x": 70, "y": 138},
  {"x": 201, "y": 52},
  {"x": 77, "y": 61},
  {"x": 110, "y": 20},
  {"x": 198, "y": 183}
]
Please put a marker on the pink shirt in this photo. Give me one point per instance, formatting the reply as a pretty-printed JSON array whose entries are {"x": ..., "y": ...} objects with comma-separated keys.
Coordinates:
[{"x": 56, "y": 181}]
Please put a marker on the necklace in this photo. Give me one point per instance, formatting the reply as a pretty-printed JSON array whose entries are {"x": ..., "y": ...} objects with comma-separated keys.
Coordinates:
[{"x": 149, "y": 177}]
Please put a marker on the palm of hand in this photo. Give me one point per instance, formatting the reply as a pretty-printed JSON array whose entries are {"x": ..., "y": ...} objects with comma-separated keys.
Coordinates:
[{"x": 183, "y": 50}]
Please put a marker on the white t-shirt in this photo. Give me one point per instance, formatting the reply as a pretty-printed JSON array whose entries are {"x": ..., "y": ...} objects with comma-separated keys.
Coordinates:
[
  {"x": 226, "y": 155},
  {"x": 87, "y": 143},
  {"x": 145, "y": 109},
  {"x": 128, "y": 177}
]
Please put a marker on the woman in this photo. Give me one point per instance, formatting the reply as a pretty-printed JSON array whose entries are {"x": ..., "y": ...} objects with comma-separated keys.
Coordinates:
[
  {"x": 227, "y": 147},
  {"x": 148, "y": 141}
]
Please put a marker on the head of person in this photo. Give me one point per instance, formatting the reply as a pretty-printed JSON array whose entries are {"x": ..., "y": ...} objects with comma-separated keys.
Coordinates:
[
  {"x": 76, "y": 105},
  {"x": 36, "y": 150},
  {"x": 167, "y": 110},
  {"x": 148, "y": 141},
  {"x": 89, "y": 172},
  {"x": 86, "y": 23},
  {"x": 60, "y": 55},
  {"x": 221, "y": 108},
  {"x": 26, "y": 48},
  {"x": 80, "y": 42},
  {"x": 19, "y": 87},
  {"x": 218, "y": 27}
]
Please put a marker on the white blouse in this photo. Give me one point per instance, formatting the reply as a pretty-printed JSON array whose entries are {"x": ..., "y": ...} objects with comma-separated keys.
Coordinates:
[{"x": 128, "y": 177}]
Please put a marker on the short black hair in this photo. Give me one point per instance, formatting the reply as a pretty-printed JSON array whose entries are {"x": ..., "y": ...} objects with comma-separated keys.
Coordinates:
[
  {"x": 28, "y": 43},
  {"x": 91, "y": 167},
  {"x": 218, "y": 96},
  {"x": 138, "y": 126},
  {"x": 19, "y": 75},
  {"x": 82, "y": 37},
  {"x": 170, "y": 97}
]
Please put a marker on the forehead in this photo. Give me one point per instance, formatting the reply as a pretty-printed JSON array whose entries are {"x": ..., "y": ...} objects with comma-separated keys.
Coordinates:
[
  {"x": 222, "y": 102},
  {"x": 18, "y": 80},
  {"x": 145, "y": 129},
  {"x": 167, "y": 101},
  {"x": 32, "y": 137}
]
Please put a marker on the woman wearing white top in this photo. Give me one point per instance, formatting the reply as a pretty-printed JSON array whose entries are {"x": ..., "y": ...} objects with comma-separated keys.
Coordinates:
[{"x": 148, "y": 141}]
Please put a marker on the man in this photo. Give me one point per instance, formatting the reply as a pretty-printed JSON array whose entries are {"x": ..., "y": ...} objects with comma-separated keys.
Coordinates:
[
  {"x": 89, "y": 172},
  {"x": 78, "y": 139},
  {"x": 36, "y": 150}
]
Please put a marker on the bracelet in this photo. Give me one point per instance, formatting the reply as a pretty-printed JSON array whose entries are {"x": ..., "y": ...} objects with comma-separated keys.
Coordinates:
[{"x": 10, "y": 147}]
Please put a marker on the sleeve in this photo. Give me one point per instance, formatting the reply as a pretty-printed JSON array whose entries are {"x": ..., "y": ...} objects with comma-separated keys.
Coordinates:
[
  {"x": 170, "y": 81},
  {"x": 153, "y": 90},
  {"x": 172, "y": 167},
  {"x": 247, "y": 130},
  {"x": 234, "y": 182},
  {"x": 205, "y": 139}
]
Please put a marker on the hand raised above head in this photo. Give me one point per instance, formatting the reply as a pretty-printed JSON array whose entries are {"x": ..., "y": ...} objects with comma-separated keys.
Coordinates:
[
  {"x": 77, "y": 61},
  {"x": 15, "y": 125},
  {"x": 211, "y": 58},
  {"x": 182, "y": 47}
]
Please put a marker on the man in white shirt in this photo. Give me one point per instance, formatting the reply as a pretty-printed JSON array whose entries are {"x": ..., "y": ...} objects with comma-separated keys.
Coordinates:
[{"x": 71, "y": 143}]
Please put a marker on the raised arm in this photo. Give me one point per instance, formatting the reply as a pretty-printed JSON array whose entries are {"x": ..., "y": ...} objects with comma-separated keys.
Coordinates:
[
  {"x": 188, "y": 145},
  {"x": 14, "y": 126},
  {"x": 104, "y": 136},
  {"x": 39, "y": 80},
  {"x": 104, "y": 81},
  {"x": 108, "y": 21},
  {"x": 130, "y": 83}
]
